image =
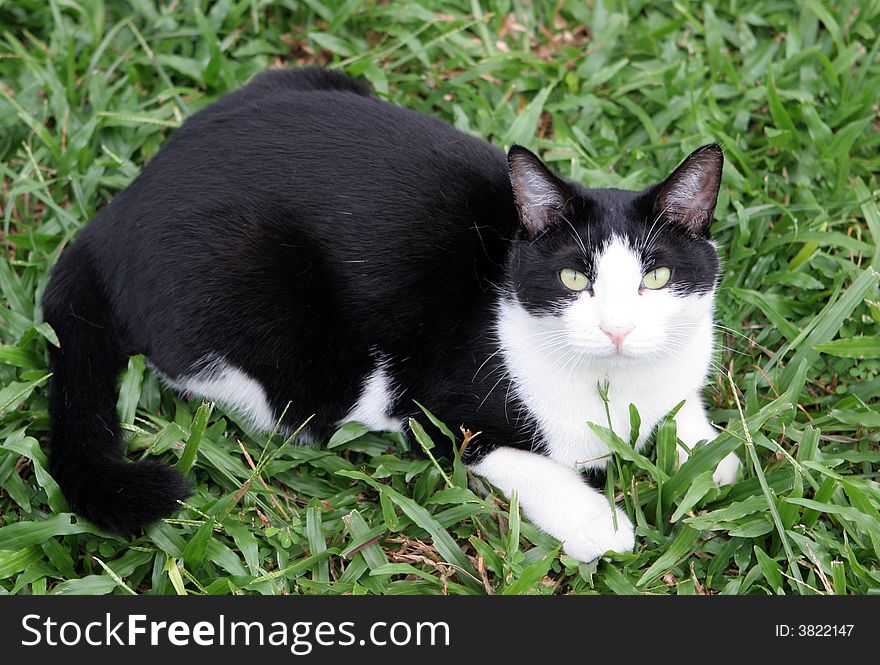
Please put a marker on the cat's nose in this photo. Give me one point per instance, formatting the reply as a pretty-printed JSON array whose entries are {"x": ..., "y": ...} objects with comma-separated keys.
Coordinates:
[{"x": 616, "y": 332}]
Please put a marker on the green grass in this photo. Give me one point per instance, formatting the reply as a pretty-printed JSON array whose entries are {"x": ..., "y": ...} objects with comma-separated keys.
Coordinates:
[{"x": 612, "y": 94}]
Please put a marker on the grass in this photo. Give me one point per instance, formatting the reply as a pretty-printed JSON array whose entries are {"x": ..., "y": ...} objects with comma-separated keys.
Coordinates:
[{"x": 612, "y": 94}]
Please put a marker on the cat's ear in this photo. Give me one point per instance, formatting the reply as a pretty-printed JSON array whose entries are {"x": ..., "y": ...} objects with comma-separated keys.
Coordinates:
[
  {"x": 540, "y": 194},
  {"x": 689, "y": 195}
]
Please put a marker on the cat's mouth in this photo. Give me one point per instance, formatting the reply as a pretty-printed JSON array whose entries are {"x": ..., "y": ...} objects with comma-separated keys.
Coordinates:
[
  {"x": 620, "y": 352},
  {"x": 631, "y": 351},
  {"x": 607, "y": 353}
]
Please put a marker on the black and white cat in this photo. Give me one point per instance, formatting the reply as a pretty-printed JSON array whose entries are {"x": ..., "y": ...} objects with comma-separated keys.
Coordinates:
[{"x": 303, "y": 242}]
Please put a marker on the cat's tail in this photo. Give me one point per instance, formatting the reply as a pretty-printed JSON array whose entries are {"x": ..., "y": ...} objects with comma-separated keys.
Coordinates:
[{"x": 86, "y": 455}]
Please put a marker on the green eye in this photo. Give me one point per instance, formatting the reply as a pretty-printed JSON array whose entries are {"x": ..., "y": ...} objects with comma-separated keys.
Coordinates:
[
  {"x": 656, "y": 278},
  {"x": 574, "y": 280}
]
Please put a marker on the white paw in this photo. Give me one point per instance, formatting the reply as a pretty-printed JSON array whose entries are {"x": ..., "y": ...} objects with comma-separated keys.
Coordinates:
[
  {"x": 598, "y": 536},
  {"x": 725, "y": 474}
]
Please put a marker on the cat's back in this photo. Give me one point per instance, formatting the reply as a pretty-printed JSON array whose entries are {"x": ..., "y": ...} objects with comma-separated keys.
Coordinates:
[
  {"x": 303, "y": 194},
  {"x": 312, "y": 147},
  {"x": 298, "y": 134}
]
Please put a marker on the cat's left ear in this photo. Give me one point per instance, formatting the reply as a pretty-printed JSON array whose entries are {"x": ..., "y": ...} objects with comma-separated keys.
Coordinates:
[
  {"x": 540, "y": 194},
  {"x": 689, "y": 195}
]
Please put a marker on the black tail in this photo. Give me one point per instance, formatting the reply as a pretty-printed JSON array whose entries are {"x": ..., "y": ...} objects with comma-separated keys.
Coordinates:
[{"x": 86, "y": 457}]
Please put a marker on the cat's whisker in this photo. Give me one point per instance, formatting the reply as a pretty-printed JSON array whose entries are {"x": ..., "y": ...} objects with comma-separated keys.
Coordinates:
[
  {"x": 728, "y": 349},
  {"x": 554, "y": 341},
  {"x": 554, "y": 331},
  {"x": 645, "y": 250},
  {"x": 747, "y": 338},
  {"x": 577, "y": 238},
  {"x": 484, "y": 363},
  {"x": 492, "y": 389},
  {"x": 552, "y": 344}
]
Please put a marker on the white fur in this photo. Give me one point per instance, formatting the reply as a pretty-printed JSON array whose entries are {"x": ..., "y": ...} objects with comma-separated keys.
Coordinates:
[
  {"x": 374, "y": 405},
  {"x": 557, "y": 364},
  {"x": 222, "y": 382},
  {"x": 555, "y": 497}
]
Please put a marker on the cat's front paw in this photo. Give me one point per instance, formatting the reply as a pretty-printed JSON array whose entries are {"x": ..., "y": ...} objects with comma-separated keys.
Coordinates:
[
  {"x": 725, "y": 474},
  {"x": 598, "y": 536}
]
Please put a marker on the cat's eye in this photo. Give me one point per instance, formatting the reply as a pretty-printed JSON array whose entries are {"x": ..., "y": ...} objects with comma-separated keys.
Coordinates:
[
  {"x": 574, "y": 279},
  {"x": 656, "y": 278}
]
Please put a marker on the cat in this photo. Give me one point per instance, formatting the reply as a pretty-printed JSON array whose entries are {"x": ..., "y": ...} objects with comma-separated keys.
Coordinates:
[{"x": 303, "y": 244}]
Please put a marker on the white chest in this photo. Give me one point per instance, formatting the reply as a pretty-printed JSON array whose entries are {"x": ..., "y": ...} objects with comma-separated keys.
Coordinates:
[
  {"x": 562, "y": 393},
  {"x": 564, "y": 410}
]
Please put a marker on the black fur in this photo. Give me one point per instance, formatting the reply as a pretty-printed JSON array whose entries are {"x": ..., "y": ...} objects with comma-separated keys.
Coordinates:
[{"x": 303, "y": 229}]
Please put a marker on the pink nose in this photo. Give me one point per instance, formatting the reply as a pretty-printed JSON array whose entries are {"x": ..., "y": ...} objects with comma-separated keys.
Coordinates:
[{"x": 616, "y": 333}]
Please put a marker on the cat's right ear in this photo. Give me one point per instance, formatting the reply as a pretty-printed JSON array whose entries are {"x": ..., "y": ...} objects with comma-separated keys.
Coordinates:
[{"x": 540, "y": 195}]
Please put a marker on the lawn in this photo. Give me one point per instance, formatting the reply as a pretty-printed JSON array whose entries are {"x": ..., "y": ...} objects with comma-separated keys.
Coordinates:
[{"x": 611, "y": 94}]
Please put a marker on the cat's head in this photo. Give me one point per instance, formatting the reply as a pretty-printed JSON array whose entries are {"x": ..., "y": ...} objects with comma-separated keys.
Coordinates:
[{"x": 614, "y": 274}]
